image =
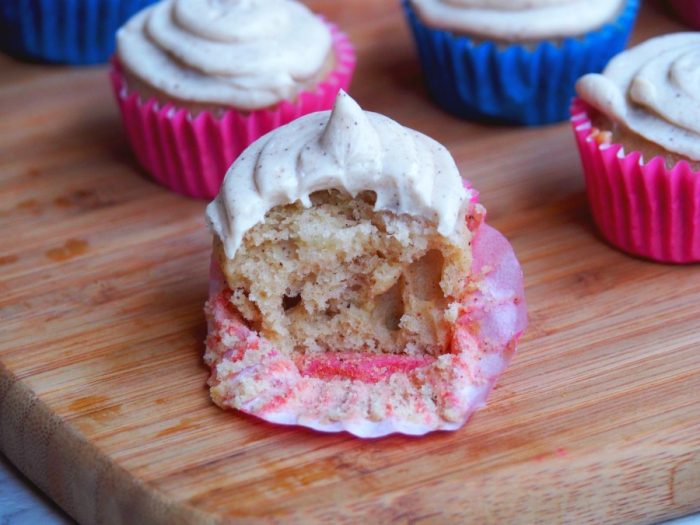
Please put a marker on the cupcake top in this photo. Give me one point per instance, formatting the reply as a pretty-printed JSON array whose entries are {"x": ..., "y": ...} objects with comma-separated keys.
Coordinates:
[
  {"x": 248, "y": 54},
  {"x": 652, "y": 90},
  {"x": 347, "y": 149},
  {"x": 518, "y": 20}
]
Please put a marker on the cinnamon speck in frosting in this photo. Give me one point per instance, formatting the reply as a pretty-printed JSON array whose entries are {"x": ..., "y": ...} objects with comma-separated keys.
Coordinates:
[
  {"x": 652, "y": 89},
  {"x": 244, "y": 53},
  {"x": 323, "y": 151}
]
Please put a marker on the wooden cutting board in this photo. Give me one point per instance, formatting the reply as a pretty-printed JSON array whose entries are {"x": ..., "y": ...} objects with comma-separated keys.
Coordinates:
[{"x": 102, "y": 389}]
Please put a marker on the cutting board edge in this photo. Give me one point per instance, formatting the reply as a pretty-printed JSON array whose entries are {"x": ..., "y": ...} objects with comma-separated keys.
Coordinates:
[
  {"x": 93, "y": 489},
  {"x": 80, "y": 479}
]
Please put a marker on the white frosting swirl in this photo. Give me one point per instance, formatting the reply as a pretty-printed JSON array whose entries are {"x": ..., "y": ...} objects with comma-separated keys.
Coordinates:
[
  {"x": 247, "y": 54},
  {"x": 518, "y": 20},
  {"x": 653, "y": 89},
  {"x": 347, "y": 149}
]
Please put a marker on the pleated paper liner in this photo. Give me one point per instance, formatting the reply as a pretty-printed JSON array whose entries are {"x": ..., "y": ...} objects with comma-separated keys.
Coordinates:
[
  {"x": 190, "y": 155},
  {"x": 519, "y": 84},
  {"x": 640, "y": 206},
  {"x": 64, "y": 31},
  {"x": 372, "y": 395}
]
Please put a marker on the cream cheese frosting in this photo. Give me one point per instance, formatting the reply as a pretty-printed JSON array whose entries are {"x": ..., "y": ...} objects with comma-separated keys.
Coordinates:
[
  {"x": 346, "y": 149},
  {"x": 518, "y": 20},
  {"x": 653, "y": 90},
  {"x": 248, "y": 54}
]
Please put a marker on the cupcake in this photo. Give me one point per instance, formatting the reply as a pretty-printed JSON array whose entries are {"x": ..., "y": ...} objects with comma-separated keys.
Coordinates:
[
  {"x": 637, "y": 126},
  {"x": 197, "y": 81},
  {"x": 514, "y": 61},
  {"x": 354, "y": 283},
  {"x": 688, "y": 11},
  {"x": 63, "y": 31}
]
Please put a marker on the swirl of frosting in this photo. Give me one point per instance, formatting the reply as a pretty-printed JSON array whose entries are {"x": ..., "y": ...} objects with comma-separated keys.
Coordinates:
[
  {"x": 248, "y": 54},
  {"x": 346, "y": 149},
  {"x": 518, "y": 20},
  {"x": 652, "y": 90}
]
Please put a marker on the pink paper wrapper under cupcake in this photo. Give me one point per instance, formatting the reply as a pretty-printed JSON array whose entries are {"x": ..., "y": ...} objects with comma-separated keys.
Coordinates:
[
  {"x": 643, "y": 208},
  {"x": 372, "y": 395},
  {"x": 190, "y": 155},
  {"x": 688, "y": 11}
]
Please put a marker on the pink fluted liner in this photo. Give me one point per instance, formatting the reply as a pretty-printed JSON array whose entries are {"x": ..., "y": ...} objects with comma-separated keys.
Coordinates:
[
  {"x": 688, "y": 11},
  {"x": 644, "y": 209},
  {"x": 330, "y": 392},
  {"x": 191, "y": 155}
]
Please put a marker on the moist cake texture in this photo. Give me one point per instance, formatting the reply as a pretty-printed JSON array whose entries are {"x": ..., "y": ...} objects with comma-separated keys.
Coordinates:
[{"x": 340, "y": 276}]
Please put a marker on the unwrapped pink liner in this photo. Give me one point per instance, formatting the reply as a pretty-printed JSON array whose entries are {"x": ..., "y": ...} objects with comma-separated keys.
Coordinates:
[
  {"x": 190, "y": 155},
  {"x": 315, "y": 392},
  {"x": 643, "y": 208},
  {"x": 688, "y": 11}
]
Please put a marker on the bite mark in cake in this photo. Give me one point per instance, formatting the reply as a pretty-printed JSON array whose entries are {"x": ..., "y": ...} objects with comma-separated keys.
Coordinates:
[{"x": 347, "y": 293}]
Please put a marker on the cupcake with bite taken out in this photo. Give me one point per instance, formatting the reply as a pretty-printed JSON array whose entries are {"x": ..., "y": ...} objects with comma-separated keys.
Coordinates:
[
  {"x": 514, "y": 61},
  {"x": 354, "y": 283},
  {"x": 637, "y": 126},
  {"x": 199, "y": 80}
]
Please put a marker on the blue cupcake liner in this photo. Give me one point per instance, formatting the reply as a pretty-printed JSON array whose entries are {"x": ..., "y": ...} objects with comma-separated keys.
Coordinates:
[
  {"x": 514, "y": 83},
  {"x": 64, "y": 31}
]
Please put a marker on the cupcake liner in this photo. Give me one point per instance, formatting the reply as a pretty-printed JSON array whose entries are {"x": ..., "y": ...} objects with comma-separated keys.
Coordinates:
[
  {"x": 64, "y": 31},
  {"x": 643, "y": 208},
  {"x": 519, "y": 84},
  {"x": 688, "y": 11},
  {"x": 372, "y": 395},
  {"x": 190, "y": 155}
]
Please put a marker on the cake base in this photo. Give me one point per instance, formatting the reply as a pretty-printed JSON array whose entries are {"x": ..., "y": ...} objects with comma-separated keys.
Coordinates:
[{"x": 372, "y": 395}]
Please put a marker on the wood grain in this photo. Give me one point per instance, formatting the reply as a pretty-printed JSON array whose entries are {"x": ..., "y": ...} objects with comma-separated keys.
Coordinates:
[{"x": 102, "y": 390}]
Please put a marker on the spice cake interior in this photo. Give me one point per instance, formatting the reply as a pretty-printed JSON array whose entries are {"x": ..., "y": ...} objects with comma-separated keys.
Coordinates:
[{"x": 340, "y": 276}]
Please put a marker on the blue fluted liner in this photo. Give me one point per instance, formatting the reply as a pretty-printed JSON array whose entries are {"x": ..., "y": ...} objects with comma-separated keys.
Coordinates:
[
  {"x": 513, "y": 83},
  {"x": 64, "y": 31}
]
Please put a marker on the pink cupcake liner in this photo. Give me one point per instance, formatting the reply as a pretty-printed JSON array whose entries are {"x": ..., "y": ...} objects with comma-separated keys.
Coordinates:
[
  {"x": 190, "y": 155},
  {"x": 688, "y": 11},
  {"x": 372, "y": 395},
  {"x": 643, "y": 208}
]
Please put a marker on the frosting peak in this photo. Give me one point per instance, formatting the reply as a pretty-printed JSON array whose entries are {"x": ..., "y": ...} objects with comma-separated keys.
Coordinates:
[
  {"x": 349, "y": 140},
  {"x": 347, "y": 128},
  {"x": 346, "y": 149},
  {"x": 248, "y": 54},
  {"x": 652, "y": 90}
]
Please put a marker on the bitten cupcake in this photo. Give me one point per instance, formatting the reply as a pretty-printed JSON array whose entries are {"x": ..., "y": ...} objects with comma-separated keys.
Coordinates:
[
  {"x": 354, "y": 284},
  {"x": 637, "y": 126},
  {"x": 688, "y": 11},
  {"x": 199, "y": 80},
  {"x": 514, "y": 61},
  {"x": 63, "y": 31}
]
